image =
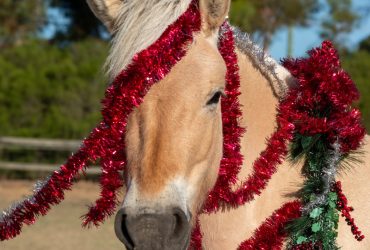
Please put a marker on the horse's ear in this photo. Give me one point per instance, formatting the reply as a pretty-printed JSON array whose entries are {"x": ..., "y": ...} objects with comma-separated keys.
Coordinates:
[
  {"x": 214, "y": 13},
  {"x": 106, "y": 11}
]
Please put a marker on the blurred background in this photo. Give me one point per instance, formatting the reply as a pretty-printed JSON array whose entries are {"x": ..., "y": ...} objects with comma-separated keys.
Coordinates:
[{"x": 51, "y": 82}]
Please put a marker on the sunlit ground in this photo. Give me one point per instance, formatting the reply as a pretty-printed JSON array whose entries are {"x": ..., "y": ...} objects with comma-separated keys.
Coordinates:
[{"x": 61, "y": 228}]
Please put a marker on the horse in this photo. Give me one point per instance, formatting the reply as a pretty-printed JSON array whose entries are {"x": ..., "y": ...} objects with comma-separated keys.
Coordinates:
[{"x": 174, "y": 138}]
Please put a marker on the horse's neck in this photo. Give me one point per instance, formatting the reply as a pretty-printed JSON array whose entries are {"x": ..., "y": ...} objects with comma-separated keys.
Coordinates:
[
  {"x": 261, "y": 91},
  {"x": 259, "y": 101}
]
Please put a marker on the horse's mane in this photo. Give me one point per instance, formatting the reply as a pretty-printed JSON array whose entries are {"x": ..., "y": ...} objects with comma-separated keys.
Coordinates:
[
  {"x": 140, "y": 24},
  {"x": 279, "y": 77}
]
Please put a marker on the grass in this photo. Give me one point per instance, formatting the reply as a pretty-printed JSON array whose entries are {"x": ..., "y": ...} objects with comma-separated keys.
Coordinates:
[{"x": 61, "y": 228}]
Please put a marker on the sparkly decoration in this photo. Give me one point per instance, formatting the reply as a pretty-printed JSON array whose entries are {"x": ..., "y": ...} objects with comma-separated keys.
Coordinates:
[
  {"x": 232, "y": 159},
  {"x": 327, "y": 130},
  {"x": 327, "y": 177},
  {"x": 324, "y": 87},
  {"x": 106, "y": 142},
  {"x": 196, "y": 237},
  {"x": 265, "y": 166},
  {"x": 261, "y": 60},
  {"x": 271, "y": 234},
  {"x": 307, "y": 246},
  {"x": 345, "y": 210}
]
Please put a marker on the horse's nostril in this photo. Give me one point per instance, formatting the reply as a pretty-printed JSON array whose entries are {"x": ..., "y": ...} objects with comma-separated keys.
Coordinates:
[
  {"x": 168, "y": 229},
  {"x": 125, "y": 232},
  {"x": 121, "y": 229},
  {"x": 181, "y": 223}
]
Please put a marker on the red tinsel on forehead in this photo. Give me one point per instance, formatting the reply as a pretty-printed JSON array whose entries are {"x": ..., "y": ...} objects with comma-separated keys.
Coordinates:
[{"x": 127, "y": 92}]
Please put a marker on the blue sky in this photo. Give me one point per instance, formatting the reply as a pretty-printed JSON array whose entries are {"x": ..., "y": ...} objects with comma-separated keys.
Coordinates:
[{"x": 307, "y": 38}]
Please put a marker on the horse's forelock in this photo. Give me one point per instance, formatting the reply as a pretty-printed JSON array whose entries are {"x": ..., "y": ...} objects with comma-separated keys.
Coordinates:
[{"x": 140, "y": 24}]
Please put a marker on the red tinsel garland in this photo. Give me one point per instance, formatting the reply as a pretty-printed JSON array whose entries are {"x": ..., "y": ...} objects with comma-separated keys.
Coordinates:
[
  {"x": 128, "y": 90},
  {"x": 271, "y": 234},
  {"x": 196, "y": 237},
  {"x": 325, "y": 88},
  {"x": 232, "y": 159},
  {"x": 346, "y": 211},
  {"x": 265, "y": 166},
  {"x": 106, "y": 142},
  {"x": 322, "y": 83}
]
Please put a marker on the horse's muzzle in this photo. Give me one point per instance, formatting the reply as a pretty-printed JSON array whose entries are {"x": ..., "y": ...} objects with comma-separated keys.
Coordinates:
[{"x": 169, "y": 229}]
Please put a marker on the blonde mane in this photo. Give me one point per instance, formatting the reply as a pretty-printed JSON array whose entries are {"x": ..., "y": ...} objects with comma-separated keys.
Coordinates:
[
  {"x": 279, "y": 78},
  {"x": 140, "y": 24}
]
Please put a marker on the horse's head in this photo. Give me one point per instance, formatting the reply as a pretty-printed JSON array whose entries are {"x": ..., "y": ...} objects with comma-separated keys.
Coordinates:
[{"x": 174, "y": 139}]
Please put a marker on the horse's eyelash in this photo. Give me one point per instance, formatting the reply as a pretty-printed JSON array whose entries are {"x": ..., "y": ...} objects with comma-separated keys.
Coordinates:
[{"x": 215, "y": 98}]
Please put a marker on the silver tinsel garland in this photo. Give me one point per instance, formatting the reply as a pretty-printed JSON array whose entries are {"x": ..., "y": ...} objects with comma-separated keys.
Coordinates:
[
  {"x": 31, "y": 199},
  {"x": 277, "y": 75},
  {"x": 328, "y": 178}
]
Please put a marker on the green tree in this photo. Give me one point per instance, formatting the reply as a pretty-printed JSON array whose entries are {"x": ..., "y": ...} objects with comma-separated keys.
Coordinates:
[
  {"x": 340, "y": 21},
  {"x": 20, "y": 19},
  {"x": 365, "y": 45},
  {"x": 265, "y": 17},
  {"x": 242, "y": 13},
  {"x": 357, "y": 63},
  {"x": 46, "y": 91}
]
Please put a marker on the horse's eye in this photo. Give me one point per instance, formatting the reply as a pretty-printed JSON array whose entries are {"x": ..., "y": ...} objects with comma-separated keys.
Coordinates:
[{"x": 215, "y": 98}]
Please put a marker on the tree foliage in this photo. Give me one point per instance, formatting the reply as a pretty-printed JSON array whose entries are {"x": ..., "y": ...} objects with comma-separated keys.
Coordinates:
[
  {"x": 365, "y": 45},
  {"x": 46, "y": 91},
  {"x": 339, "y": 22},
  {"x": 266, "y": 17},
  {"x": 357, "y": 64},
  {"x": 20, "y": 19}
]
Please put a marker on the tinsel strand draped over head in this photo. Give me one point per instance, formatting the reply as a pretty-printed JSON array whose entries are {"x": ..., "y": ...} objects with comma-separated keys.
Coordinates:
[{"x": 106, "y": 141}]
